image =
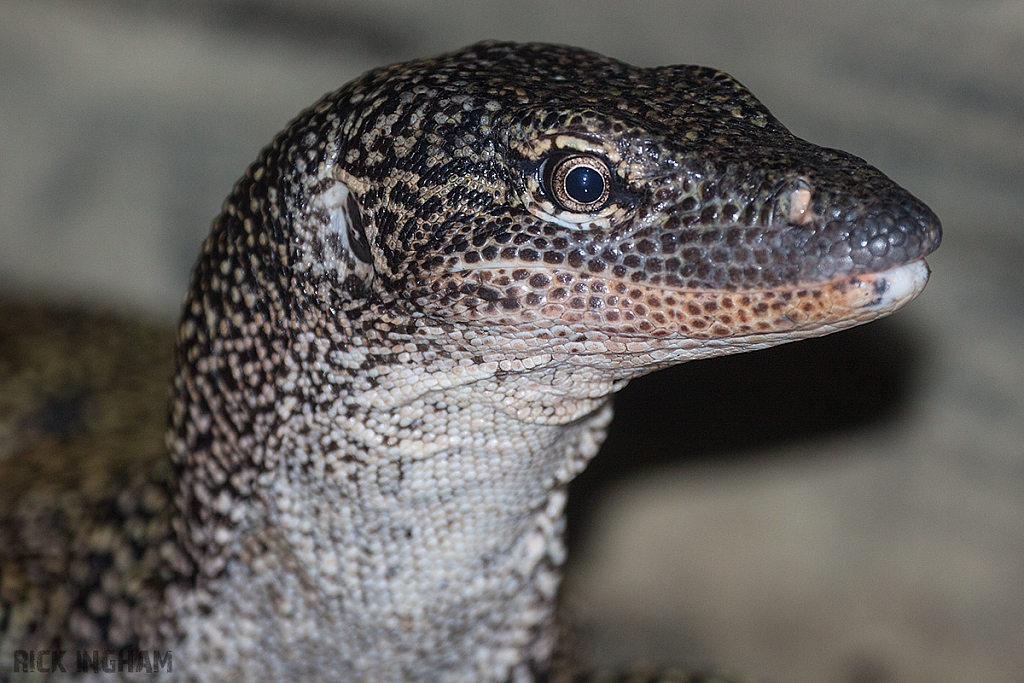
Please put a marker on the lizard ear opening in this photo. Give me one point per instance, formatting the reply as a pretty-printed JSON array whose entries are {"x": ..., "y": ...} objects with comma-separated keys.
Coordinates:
[
  {"x": 356, "y": 232},
  {"x": 345, "y": 223}
]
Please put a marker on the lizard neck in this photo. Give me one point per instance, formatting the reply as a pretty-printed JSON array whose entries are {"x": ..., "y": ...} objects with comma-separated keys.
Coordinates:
[
  {"x": 387, "y": 516},
  {"x": 442, "y": 558}
]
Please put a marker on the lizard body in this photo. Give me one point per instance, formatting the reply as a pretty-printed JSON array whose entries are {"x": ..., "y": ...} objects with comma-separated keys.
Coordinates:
[{"x": 399, "y": 346}]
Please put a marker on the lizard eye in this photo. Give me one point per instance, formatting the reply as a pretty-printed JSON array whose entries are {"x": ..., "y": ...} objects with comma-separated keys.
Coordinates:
[{"x": 578, "y": 183}]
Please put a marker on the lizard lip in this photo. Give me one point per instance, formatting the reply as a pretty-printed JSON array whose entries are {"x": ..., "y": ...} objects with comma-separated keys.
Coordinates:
[
  {"x": 897, "y": 286},
  {"x": 540, "y": 299}
]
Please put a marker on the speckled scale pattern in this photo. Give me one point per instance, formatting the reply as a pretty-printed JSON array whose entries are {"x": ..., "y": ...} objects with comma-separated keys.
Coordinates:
[
  {"x": 85, "y": 540},
  {"x": 399, "y": 346}
]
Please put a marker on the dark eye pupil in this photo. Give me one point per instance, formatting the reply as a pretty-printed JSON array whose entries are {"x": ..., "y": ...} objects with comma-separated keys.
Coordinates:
[{"x": 584, "y": 184}]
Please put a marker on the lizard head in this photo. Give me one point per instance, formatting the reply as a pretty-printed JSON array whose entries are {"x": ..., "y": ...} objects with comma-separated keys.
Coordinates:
[
  {"x": 553, "y": 193},
  {"x": 508, "y": 203}
]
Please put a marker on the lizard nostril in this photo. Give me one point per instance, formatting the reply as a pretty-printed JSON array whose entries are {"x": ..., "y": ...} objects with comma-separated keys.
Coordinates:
[{"x": 800, "y": 212}]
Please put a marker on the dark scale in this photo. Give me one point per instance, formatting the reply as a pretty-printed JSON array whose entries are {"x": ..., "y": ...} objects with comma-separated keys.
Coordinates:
[{"x": 399, "y": 346}]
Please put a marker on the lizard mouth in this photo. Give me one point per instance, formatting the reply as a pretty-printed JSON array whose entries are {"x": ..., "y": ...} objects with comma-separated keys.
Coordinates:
[{"x": 565, "y": 303}]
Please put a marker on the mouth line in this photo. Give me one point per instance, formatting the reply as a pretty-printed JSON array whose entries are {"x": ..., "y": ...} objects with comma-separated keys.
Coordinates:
[
  {"x": 522, "y": 299},
  {"x": 899, "y": 279}
]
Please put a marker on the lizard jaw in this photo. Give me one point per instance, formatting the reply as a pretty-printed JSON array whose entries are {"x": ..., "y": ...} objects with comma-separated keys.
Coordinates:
[{"x": 540, "y": 300}]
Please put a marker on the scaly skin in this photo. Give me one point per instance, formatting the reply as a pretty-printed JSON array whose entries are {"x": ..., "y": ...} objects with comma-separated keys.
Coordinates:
[{"x": 399, "y": 347}]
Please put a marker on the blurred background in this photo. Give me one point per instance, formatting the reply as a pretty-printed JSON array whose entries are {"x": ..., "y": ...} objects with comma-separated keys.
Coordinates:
[{"x": 846, "y": 510}]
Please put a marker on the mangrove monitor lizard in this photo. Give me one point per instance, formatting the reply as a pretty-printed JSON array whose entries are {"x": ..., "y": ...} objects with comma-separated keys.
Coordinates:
[{"x": 399, "y": 346}]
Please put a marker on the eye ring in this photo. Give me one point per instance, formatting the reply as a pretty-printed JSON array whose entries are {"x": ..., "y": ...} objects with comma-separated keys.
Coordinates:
[{"x": 579, "y": 183}]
